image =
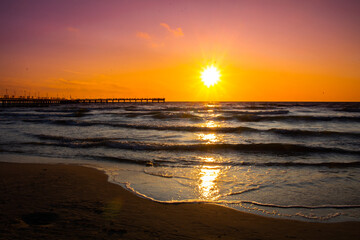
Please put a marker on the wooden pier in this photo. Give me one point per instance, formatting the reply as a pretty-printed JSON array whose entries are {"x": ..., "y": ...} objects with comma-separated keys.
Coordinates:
[{"x": 14, "y": 102}]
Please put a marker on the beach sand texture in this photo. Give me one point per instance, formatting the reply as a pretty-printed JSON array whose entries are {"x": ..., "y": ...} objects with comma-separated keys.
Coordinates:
[{"x": 39, "y": 201}]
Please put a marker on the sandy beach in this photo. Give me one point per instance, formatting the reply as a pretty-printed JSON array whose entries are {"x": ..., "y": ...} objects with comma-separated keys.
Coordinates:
[{"x": 40, "y": 201}]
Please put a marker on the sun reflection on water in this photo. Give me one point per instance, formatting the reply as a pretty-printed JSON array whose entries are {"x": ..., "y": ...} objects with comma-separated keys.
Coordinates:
[
  {"x": 211, "y": 124},
  {"x": 208, "y": 176},
  {"x": 209, "y": 138},
  {"x": 210, "y": 105},
  {"x": 207, "y": 182}
]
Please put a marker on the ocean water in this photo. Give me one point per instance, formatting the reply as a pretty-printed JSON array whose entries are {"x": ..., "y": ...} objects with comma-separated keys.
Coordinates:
[{"x": 288, "y": 160}]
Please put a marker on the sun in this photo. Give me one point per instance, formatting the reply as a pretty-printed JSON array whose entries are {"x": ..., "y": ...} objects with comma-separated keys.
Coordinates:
[{"x": 210, "y": 75}]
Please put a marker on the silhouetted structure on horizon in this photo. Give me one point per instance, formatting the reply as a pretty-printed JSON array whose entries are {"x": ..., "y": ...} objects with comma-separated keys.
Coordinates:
[{"x": 13, "y": 102}]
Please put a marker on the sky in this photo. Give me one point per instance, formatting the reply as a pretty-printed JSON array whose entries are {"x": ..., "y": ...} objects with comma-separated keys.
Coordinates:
[{"x": 265, "y": 50}]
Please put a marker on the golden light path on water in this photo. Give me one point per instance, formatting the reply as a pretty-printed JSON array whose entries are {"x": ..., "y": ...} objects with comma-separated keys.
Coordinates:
[
  {"x": 209, "y": 138},
  {"x": 211, "y": 124},
  {"x": 208, "y": 176}
]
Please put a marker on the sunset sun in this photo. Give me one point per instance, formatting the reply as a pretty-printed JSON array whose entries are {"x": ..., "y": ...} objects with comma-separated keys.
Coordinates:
[{"x": 210, "y": 76}]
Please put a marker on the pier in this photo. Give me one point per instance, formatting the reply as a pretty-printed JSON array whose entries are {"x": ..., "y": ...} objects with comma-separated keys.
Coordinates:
[{"x": 23, "y": 102}]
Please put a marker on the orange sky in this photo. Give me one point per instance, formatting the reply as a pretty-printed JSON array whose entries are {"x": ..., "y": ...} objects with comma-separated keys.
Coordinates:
[{"x": 266, "y": 50}]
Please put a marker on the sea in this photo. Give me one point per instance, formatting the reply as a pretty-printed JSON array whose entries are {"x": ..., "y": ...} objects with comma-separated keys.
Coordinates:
[{"x": 293, "y": 160}]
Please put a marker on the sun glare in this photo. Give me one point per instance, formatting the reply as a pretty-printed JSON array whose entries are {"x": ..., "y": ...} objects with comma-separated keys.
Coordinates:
[{"x": 210, "y": 75}]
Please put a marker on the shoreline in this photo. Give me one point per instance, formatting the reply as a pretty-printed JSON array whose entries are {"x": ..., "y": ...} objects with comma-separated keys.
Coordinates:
[
  {"x": 70, "y": 201},
  {"x": 18, "y": 158}
]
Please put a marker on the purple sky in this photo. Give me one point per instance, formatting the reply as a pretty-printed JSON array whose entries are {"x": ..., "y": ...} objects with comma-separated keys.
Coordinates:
[{"x": 48, "y": 37}]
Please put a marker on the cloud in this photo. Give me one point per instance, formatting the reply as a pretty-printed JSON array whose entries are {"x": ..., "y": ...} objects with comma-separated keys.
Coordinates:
[
  {"x": 176, "y": 32},
  {"x": 143, "y": 35},
  {"x": 149, "y": 39},
  {"x": 157, "y": 41},
  {"x": 72, "y": 29}
]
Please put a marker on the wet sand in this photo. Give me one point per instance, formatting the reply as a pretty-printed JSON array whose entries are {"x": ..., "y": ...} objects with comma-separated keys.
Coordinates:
[{"x": 40, "y": 201}]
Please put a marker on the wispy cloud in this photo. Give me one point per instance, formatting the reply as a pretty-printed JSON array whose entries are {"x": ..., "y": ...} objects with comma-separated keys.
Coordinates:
[
  {"x": 149, "y": 39},
  {"x": 157, "y": 41},
  {"x": 143, "y": 35},
  {"x": 72, "y": 29},
  {"x": 176, "y": 32}
]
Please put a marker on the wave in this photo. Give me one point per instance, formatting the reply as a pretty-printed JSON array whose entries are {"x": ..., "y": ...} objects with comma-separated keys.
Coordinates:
[
  {"x": 268, "y": 112},
  {"x": 259, "y": 107},
  {"x": 308, "y": 133},
  {"x": 348, "y": 109},
  {"x": 291, "y": 206},
  {"x": 289, "y": 118},
  {"x": 303, "y": 164},
  {"x": 243, "y": 191},
  {"x": 143, "y": 127},
  {"x": 160, "y": 115},
  {"x": 204, "y": 108},
  {"x": 143, "y": 162},
  {"x": 159, "y": 174},
  {"x": 235, "y": 130},
  {"x": 180, "y": 115},
  {"x": 227, "y": 202},
  {"x": 69, "y": 139},
  {"x": 171, "y": 115},
  {"x": 240, "y": 117},
  {"x": 254, "y": 205},
  {"x": 164, "y": 109},
  {"x": 66, "y": 122},
  {"x": 270, "y": 148},
  {"x": 162, "y": 162},
  {"x": 80, "y": 112},
  {"x": 169, "y": 162}
]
